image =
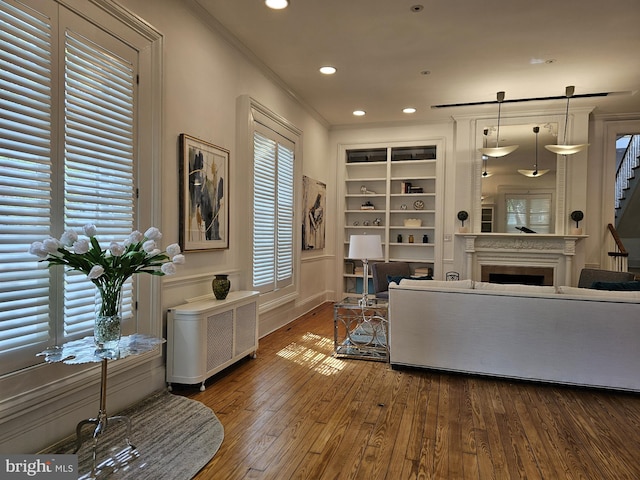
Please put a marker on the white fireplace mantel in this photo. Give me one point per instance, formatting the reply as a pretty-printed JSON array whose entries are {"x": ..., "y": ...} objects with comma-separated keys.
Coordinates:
[{"x": 521, "y": 249}]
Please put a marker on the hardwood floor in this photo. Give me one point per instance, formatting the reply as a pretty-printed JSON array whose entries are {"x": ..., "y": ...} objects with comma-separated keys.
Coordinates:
[{"x": 296, "y": 412}]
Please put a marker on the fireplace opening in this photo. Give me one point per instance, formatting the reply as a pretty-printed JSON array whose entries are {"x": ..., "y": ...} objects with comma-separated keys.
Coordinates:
[
  {"x": 519, "y": 279},
  {"x": 517, "y": 274}
]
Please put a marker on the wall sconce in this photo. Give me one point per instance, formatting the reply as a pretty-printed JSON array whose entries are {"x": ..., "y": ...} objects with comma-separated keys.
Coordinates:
[
  {"x": 567, "y": 149},
  {"x": 577, "y": 217},
  {"x": 498, "y": 151},
  {"x": 462, "y": 216}
]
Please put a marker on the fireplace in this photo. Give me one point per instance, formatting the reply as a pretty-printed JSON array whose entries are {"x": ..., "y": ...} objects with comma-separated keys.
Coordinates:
[
  {"x": 517, "y": 274},
  {"x": 539, "y": 259}
]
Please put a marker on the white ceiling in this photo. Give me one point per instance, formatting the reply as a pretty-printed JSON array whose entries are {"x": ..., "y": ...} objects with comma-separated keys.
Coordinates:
[{"x": 472, "y": 49}]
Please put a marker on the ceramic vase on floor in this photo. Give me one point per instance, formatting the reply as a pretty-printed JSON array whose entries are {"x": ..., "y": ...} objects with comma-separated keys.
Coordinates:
[{"x": 221, "y": 285}]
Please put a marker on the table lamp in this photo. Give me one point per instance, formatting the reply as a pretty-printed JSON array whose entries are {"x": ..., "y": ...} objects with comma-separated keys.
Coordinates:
[{"x": 365, "y": 247}]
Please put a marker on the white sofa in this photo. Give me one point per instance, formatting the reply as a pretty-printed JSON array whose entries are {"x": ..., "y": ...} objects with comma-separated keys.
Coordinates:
[{"x": 553, "y": 334}]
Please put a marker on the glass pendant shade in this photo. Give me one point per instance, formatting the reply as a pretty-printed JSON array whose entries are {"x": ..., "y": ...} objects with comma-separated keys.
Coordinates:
[
  {"x": 498, "y": 151},
  {"x": 567, "y": 149}
]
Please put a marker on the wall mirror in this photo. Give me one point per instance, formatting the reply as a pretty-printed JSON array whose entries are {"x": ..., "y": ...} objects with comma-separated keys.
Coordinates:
[{"x": 520, "y": 189}]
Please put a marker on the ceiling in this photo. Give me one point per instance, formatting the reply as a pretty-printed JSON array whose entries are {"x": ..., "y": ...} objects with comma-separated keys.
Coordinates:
[{"x": 471, "y": 50}]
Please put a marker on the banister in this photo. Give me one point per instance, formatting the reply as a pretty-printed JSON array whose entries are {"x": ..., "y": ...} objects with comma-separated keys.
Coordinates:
[{"x": 621, "y": 252}]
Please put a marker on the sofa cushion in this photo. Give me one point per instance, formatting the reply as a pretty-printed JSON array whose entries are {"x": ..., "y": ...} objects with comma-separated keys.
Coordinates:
[
  {"x": 599, "y": 294},
  {"x": 515, "y": 287},
  {"x": 437, "y": 283},
  {"x": 618, "y": 286}
]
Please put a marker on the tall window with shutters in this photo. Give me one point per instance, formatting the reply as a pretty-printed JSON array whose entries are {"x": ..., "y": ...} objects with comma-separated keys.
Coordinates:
[
  {"x": 273, "y": 210},
  {"x": 67, "y": 116},
  {"x": 531, "y": 210}
]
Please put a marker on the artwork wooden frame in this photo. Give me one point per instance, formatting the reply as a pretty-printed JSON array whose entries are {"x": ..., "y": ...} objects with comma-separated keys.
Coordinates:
[{"x": 204, "y": 195}]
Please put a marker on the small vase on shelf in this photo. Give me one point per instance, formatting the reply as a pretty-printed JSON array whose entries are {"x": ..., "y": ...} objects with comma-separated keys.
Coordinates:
[{"x": 221, "y": 285}]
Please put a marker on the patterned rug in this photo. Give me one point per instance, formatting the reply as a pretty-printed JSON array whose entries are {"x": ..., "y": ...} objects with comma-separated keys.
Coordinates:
[{"x": 174, "y": 438}]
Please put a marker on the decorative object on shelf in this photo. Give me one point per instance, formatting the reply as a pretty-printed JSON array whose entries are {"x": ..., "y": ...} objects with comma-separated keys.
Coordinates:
[
  {"x": 418, "y": 205},
  {"x": 365, "y": 223},
  {"x": 403, "y": 206},
  {"x": 425, "y": 238},
  {"x": 577, "y": 217},
  {"x": 410, "y": 238},
  {"x": 221, "y": 286},
  {"x": 109, "y": 269},
  {"x": 367, "y": 206},
  {"x": 565, "y": 149},
  {"x": 364, "y": 191},
  {"x": 365, "y": 248},
  {"x": 356, "y": 223},
  {"x": 498, "y": 151},
  {"x": 399, "y": 239},
  {"x": 412, "y": 222},
  {"x": 377, "y": 222},
  {"x": 204, "y": 196},
  {"x": 462, "y": 216},
  {"x": 535, "y": 172}
]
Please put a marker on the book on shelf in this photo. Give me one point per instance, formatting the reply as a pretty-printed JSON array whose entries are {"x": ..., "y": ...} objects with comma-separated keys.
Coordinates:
[
  {"x": 405, "y": 187},
  {"x": 416, "y": 190}
]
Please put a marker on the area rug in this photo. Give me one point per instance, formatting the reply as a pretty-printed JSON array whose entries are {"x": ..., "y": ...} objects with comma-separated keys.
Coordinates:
[{"x": 174, "y": 438}]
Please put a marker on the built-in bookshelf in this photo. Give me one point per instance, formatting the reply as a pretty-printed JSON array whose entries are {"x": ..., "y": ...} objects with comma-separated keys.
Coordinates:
[{"x": 392, "y": 191}]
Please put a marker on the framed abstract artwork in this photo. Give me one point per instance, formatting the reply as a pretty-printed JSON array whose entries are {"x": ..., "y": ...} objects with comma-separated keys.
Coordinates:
[
  {"x": 204, "y": 195},
  {"x": 314, "y": 197}
]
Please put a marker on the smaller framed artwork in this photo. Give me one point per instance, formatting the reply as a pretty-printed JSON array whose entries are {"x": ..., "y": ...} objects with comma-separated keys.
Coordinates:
[{"x": 204, "y": 195}]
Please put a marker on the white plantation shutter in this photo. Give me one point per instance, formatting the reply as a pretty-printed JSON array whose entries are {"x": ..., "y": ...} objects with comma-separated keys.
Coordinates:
[
  {"x": 58, "y": 171},
  {"x": 25, "y": 182},
  {"x": 98, "y": 179},
  {"x": 273, "y": 207}
]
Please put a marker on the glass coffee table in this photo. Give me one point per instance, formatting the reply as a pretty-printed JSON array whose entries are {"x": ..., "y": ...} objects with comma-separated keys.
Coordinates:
[{"x": 361, "y": 331}]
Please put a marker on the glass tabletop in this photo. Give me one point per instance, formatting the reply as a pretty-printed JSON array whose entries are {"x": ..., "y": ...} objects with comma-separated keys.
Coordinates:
[
  {"x": 350, "y": 302},
  {"x": 85, "y": 350}
]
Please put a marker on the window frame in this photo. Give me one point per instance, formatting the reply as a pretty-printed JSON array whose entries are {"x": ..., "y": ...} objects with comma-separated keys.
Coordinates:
[{"x": 27, "y": 387}]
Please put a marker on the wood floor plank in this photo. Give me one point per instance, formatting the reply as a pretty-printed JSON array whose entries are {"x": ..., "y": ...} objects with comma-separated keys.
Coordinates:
[{"x": 297, "y": 412}]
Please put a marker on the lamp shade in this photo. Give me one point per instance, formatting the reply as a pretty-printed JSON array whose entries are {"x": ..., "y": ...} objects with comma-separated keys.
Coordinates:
[{"x": 364, "y": 247}]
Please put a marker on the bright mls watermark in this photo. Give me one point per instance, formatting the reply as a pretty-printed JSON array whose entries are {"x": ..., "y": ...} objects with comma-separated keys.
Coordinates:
[{"x": 51, "y": 467}]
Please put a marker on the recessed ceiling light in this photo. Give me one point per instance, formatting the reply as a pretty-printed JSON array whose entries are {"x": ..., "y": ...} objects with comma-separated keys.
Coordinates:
[
  {"x": 409, "y": 110},
  {"x": 359, "y": 113},
  {"x": 425, "y": 72},
  {"x": 416, "y": 8},
  {"x": 277, "y": 4},
  {"x": 328, "y": 70}
]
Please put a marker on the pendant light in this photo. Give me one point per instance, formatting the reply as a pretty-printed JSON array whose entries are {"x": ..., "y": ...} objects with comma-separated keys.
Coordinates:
[
  {"x": 567, "y": 149},
  {"x": 498, "y": 151},
  {"x": 485, "y": 174},
  {"x": 535, "y": 172}
]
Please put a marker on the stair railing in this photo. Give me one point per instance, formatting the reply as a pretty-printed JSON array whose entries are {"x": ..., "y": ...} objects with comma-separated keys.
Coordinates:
[
  {"x": 630, "y": 161},
  {"x": 618, "y": 255}
]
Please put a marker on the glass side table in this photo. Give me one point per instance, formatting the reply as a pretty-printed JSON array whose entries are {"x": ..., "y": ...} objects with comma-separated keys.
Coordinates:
[
  {"x": 361, "y": 331},
  {"x": 85, "y": 351}
]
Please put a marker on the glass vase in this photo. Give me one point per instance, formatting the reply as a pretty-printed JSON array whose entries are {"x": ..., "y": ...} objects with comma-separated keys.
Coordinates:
[
  {"x": 107, "y": 330},
  {"x": 221, "y": 285}
]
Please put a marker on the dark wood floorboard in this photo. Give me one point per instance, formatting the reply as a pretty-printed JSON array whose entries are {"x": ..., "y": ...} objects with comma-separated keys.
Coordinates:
[{"x": 297, "y": 412}]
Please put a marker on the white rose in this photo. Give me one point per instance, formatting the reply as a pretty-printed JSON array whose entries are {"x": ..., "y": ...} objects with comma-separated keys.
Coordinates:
[
  {"x": 81, "y": 246},
  {"x": 96, "y": 272},
  {"x": 178, "y": 259},
  {"x": 173, "y": 250}
]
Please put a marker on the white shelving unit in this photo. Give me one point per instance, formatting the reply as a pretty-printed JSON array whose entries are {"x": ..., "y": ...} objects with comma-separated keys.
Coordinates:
[{"x": 379, "y": 176}]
